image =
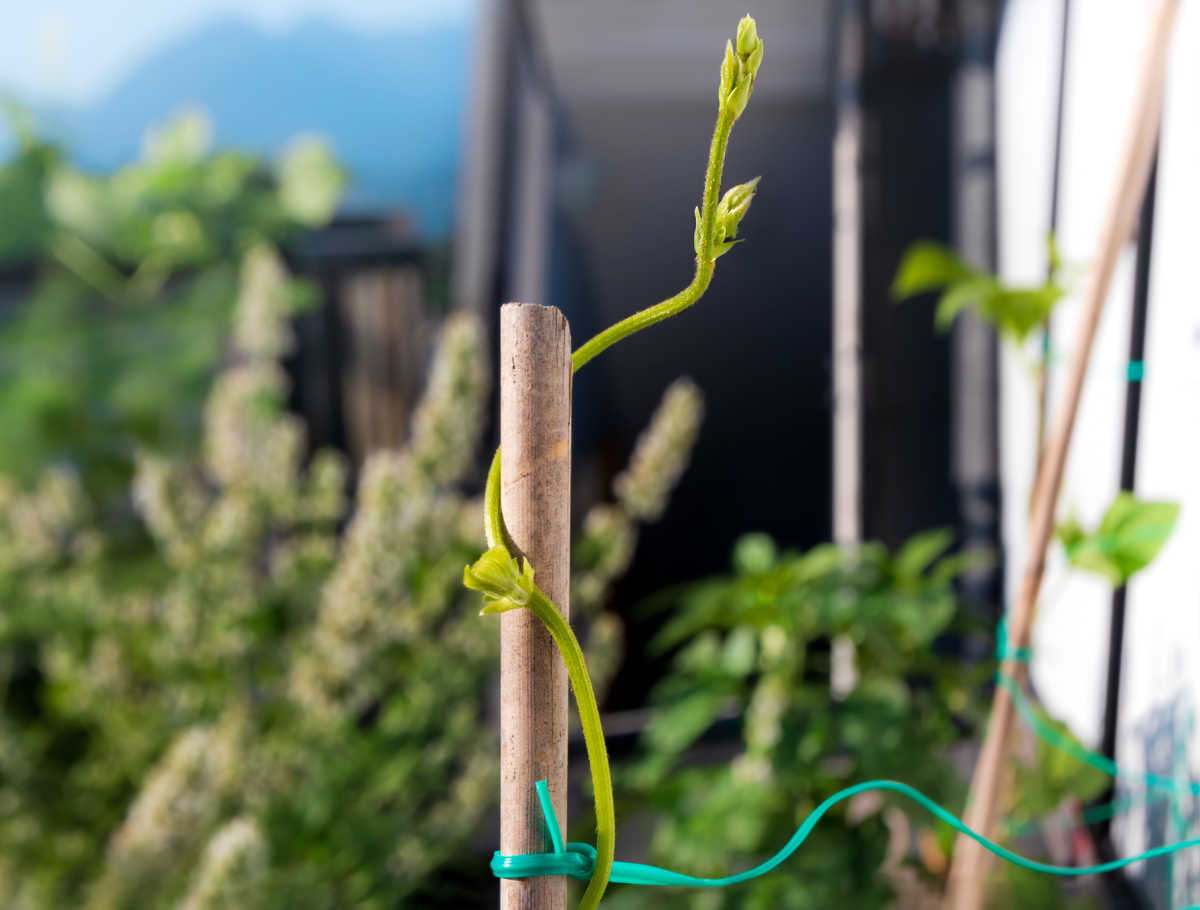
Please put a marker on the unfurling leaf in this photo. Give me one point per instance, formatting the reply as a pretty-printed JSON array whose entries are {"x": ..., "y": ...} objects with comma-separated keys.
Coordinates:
[{"x": 504, "y": 585}]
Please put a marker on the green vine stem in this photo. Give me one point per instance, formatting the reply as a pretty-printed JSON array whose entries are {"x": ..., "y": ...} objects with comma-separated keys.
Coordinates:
[
  {"x": 593, "y": 739},
  {"x": 705, "y": 260},
  {"x": 494, "y": 528},
  {"x": 496, "y": 574},
  {"x": 581, "y": 681}
]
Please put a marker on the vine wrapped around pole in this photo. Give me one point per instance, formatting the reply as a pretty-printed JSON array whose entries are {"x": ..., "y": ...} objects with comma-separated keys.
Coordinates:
[
  {"x": 535, "y": 435},
  {"x": 508, "y": 586}
]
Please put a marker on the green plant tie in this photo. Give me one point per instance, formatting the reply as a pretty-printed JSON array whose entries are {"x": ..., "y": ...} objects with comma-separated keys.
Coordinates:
[
  {"x": 1003, "y": 649},
  {"x": 575, "y": 859}
]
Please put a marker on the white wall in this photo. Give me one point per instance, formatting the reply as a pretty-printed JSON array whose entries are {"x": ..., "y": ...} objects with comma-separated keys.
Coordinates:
[{"x": 1162, "y": 645}]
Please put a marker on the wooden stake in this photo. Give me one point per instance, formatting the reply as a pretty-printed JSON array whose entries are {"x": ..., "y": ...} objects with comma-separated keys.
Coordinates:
[
  {"x": 535, "y": 472},
  {"x": 968, "y": 871}
]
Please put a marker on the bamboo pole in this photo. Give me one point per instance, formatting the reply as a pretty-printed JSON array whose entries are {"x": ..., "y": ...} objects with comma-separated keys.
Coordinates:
[
  {"x": 969, "y": 867},
  {"x": 535, "y": 472}
]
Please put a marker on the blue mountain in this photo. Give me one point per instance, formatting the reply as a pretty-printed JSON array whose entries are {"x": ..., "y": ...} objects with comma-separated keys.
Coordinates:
[{"x": 390, "y": 103}]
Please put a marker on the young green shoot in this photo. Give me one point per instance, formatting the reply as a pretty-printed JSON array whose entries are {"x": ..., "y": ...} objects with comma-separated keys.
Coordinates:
[{"x": 507, "y": 586}]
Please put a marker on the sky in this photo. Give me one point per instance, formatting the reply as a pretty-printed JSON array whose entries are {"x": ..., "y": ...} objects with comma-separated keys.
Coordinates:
[{"x": 75, "y": 51}]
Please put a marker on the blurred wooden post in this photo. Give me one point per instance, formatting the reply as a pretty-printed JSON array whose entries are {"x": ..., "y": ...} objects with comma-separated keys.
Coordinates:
[
  {"x": 974, "y": 350},
  {"x": 968, "y": 870},
  {"x": 387, "y": 341},
  {"x": 847, "y": 502},
  {"x": 535, "y": 472},
  {"x": 847, "y": 279}
]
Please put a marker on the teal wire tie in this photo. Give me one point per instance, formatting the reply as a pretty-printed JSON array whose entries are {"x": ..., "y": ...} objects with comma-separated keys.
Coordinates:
[
  {"x": 1003, "y": 650},
  {"x": 1135, "y": 370},
  {"x": 576, "y": 859}
]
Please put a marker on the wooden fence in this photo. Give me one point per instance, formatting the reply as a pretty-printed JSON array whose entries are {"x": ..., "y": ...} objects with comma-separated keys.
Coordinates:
[{"x": 362, "y": 357}]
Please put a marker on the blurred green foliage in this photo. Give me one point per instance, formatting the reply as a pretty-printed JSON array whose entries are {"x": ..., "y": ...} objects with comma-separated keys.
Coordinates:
[
  {"x": 1128, "y": 538},
  {"x": 318, "y": 694},
  {"x": 1015, "y": 312},
  {"x": 135, "y": 277},
  {"x": 211, "y": 695},
  {"x": 264, "y": 710},
  {"x": 758, "y": 647},
  {"x": 1050, "y": 775},
  {"x": 25, "y": 227},
  {"x": 758, "y": 644}
]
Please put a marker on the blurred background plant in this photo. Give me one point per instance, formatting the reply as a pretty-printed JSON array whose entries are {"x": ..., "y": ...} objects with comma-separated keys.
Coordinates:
[
  {"x": 258, "y": 710},
  {"x": 1015, "y": 312},
  {"x": 213, "y": 694},
  {"x": 753, "y": 651},
  {"x": 1048, "y": 785},
  {"x": 754, "y": 647},
  {"x": 136, "y": 274}
]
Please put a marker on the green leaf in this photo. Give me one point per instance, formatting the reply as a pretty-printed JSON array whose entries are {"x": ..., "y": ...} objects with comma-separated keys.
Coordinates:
[
  {"x": 1053, "y": 255},
  {"x": 675, "y": 727},
  {"x": 184, "y": 140},
  {"x": 1055, "y": 775},
  {"x": 1016, "y": 312},
  {"x": 924, "y": 618},
  {"x": 754, "y": 554},
  {"x": 881, "y": 687},
  {"x": 957, "y": 297},
  {"x": 1013, "y": 311},
  {"x": 78, "y": 202},
  {"x": 951, "y": 567},
  {"x": 819, "y": 562},
  {"x": 740, "y": 653},
  {"x": 310, "y": 182},
  {"x": 921, "y": 551},
  {"x": 1129, "y": 537},
  {"x": 1070, "y": 533},
  {"x": 928, "y": 266},
  {"x": 1138, "y": 530},
  {"x": 722, "y": 247}
]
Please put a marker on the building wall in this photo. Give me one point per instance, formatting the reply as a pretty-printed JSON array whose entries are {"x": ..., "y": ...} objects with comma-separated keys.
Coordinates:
[{"x": 1162, "y": 638}]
